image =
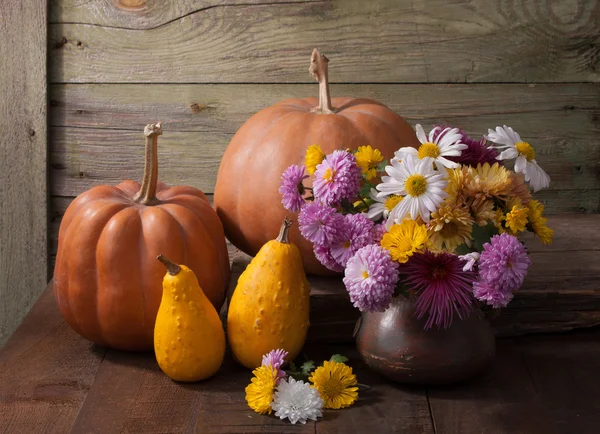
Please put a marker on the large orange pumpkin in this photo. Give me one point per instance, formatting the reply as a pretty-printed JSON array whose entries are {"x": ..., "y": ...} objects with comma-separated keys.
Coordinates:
[
  {"x": 246, "y": 195},
  {"x": 107, "y": 281}
]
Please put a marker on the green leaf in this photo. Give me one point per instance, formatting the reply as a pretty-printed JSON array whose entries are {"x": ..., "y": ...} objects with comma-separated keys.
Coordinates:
[
  {"x": 338, "y": 358},
  {"x": 307, "y": 367},
  {"x": 365, "y": 191},
  {"x": 482, "y": 234},
  {"x": 381, "y": 166}
]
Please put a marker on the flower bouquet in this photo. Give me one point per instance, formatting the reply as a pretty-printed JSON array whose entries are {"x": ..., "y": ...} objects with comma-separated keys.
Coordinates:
[{"x": 437, "y": 225}]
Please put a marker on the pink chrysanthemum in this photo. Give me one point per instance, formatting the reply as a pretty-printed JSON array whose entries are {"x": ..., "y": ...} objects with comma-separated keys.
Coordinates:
[
  {"x": 320, "y": 224},
  {"x": 337, "y": 177},
  {"x": 504, "y": 262},
  {"x": 477, "y": 151},
  {"x": 370, "y": 278},
  {"x": 323, "y": 255},
  {"x": 377, "y": 232},
  {"x": 443, "y": 288},
  {"x": 491, "y": 294},
  {"x": 292, "y": 188},
  {"x": 275, "y": 359},
  {"x": 356, "y": 233}
]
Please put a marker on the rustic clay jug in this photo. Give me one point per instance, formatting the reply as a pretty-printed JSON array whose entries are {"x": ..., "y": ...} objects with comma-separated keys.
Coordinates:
[{"x": 396, "y": 344}]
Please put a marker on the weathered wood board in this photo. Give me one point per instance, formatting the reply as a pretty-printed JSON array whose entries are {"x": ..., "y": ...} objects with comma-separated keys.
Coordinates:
[
  {"x": 23, "y": 173},
  {"x": 380, "y": 41}
]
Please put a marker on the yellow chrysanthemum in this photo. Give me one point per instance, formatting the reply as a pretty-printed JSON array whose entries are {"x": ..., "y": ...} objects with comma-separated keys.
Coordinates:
[
  {"x": 457, "y": 180},
  {"x": 368, "y": 159},
  {"x": 450, "y": 226},
  {"x": 404, "y": 239},
  {"x": 336, "y": 384},
  {"x": 483, "y": 212},
  {"x": 516, "y": 218},
  {"x": 538, "y": 222},
  {"x": 487, "y": 181},
  {"x": 519, "y": 188},
  {"x": 259, "y": 393},
  {"x": 314, "y": 156},
  {"x": 498, "y": 219}
]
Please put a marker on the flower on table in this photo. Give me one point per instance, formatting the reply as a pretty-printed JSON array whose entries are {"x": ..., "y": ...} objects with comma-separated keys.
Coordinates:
[
  {"x": 442, "y": 287},
  {"x": 370, "y": 278},
  {"x": 440, "y": 144},
  {"x": 275, "y": 359},
  {"x": 292, "y": 187},
  {"x": 337, "y": 177},
  {"x": 368, "y": 159},
  {"x": 538, "y": 222},
  {"x": 509, "y": 141},
  {"x": 336, "y": 384},
  {"x": 314, "y": 157},
  {"x": 320, "y": 224},
  {"x": 404, "y": 239},
  {"x": 419, "y": 183},
  {"x": 355, "y": 233},
  {"x": 382, "y": 206},
  {"x": 297, "y": 401},
  {"x": 259, "y": 393},
  {"x": 450, "y": 226}
]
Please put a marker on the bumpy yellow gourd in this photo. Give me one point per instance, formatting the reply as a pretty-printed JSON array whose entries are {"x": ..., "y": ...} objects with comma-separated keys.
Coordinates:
[
  {"x": 189, "y": 341},
  {"x": 270, "y": 305}
]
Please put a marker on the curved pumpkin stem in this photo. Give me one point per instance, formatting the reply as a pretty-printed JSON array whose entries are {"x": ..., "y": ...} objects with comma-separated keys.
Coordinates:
[
  {"x": 284, "y": 232},
  {"x": 147, "y": 193},
  {"x": 172, "y": 268},
  {"x": 320, "y": 70}
]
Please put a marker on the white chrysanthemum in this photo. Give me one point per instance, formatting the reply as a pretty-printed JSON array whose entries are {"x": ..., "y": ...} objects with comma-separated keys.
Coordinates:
[
  {"x": 511, "y": 146},
  {"x": 470, "y": 259},
  {"x": 446, "y": 144},
  {"x": 419, "y": 183},
  {"x": 297, "y": 401}
]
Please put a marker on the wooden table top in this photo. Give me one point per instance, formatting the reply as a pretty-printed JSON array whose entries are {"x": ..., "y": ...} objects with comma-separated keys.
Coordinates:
[{"x": 54, "y": 381}]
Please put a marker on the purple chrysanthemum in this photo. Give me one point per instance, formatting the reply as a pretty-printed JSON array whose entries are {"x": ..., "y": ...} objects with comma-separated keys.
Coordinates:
[
  {"x": 323, "y": 255},
  {"x": 377, "y": 232},
  {"x": 337, "y": 177},
  {"x": 356, "y": 233},
  {"x": 443, "y": 288},
  {"x": 477, "y": 152},
  {"x": 320, "y": 224},
  {"x": 292, "y": 188},
  {"x": 491, "y": 294},
  {"x": 275, "y": 358},
  {"x": 503, "y": 263},
  {"x": 370, "y": 278}
]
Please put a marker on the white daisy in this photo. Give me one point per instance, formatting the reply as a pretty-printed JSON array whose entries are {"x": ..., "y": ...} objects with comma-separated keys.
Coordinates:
[
  {"x": 511, "y": 145},
  {"x": 446, "y": 144},
  {"x": 297, "y": 401},
  {"x": 419, "y": 183},
  {"x": 382, "y": 206}
]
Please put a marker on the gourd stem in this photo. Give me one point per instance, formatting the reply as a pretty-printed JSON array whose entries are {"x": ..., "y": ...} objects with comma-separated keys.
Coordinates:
[
  {"x": 147, "y": 193},
  {"x": 284, "y": 232},
  {"x": 320, "y": 70},
  {"x": 172, "y": 268}
]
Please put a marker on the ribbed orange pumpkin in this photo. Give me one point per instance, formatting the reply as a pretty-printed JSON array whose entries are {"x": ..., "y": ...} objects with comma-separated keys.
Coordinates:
[
  {"x": 246, "y": 195},
  {"x": 107, "y": 281}
]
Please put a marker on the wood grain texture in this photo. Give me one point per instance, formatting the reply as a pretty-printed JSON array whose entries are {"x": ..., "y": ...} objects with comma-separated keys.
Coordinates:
[
  {"x": 419, "y": 41},
  {"x": 46, "y": 371},
  {"x": 23, "y": 173}
]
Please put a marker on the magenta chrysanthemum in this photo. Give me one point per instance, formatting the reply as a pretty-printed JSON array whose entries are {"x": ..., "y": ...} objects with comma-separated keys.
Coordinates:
[
  {"x": 443, "y": 288},
  {"x": 370, "y": 278},
  {"x": 292, "y": 188},
  {"x": 504, "y": 262},
  {"x": 320, "y": 224},
  {"x": 323, "y": 255},
  {"x": 337, "y": 177},
  {"x": 356, "y": 233},
  {"x": 275, "y": 358},
  {"x": 477, "y": 151},
  {"x": 377, "y": 232},
  {"x": 491, "y": 294}
]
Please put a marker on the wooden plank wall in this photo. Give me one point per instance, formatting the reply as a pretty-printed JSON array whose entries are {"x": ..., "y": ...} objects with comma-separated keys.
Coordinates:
[
  {"x": 23, "y": 173},
  {"x": 204, "y": 67}
]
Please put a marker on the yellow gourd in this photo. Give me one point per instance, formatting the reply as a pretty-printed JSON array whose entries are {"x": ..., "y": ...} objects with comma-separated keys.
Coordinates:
[
  {"x": 270, "y": 305},
  {"x": 189, "y": 341}
]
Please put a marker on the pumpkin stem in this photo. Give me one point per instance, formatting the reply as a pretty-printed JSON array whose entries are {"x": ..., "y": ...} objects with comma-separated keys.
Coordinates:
[
  {"x": 172, "y": 268},
  {"x": 284, "y": 232},
  {"x": 147, "y": 193},
  {"x": 320, "y": 70}
]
